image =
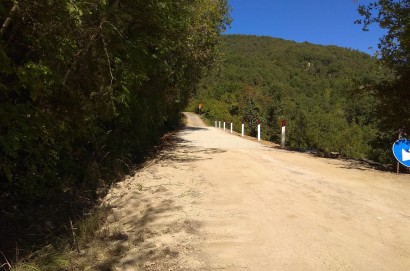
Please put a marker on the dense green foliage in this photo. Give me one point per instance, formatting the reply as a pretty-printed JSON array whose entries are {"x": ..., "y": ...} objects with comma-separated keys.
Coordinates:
[
  {"x": 86, "y": 86},
  {"x": 316, "y": 89},
  {"x": 393, "y": 112}
]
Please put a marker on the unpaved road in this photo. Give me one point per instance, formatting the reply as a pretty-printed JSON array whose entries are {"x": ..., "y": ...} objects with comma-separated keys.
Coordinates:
[{"x": 215, "y": 201}]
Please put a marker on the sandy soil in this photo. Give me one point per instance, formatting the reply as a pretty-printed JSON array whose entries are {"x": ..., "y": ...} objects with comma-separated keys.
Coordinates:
[{"x": 216, "y": 201}]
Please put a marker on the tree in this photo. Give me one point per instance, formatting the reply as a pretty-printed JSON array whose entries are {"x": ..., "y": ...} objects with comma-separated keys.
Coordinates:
[
  {"x": 393, "y": 93},
  {"x": 310, "y": 86},
  {"x": 87, "y": 86},
  {"x": 394, "y": 16}
]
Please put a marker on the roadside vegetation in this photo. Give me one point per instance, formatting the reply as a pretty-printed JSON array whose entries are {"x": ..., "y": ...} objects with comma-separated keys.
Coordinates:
[
  {"x": 333, "y": 99},
  {"x": 87, "y": 88},
  {"x": 315, "y": 89}
]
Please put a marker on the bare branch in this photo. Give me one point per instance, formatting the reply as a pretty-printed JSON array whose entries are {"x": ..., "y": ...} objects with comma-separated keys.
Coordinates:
[
  {"x": 7, "y": 263},
  {"x": 108, "y": 59},
  {"x": 78, "y": 56},
  {"x": 8, "y": 20},
  {"x": 74, "y": 239},
  {"x": 115, "y": 28}
]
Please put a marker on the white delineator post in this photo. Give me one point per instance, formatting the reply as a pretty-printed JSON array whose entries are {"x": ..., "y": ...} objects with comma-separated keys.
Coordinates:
[
  {"x": 216, "y": 124},
  {"x": 231, "y": 127},
  {"x": 283, "y": 133},
  {"x": 243, "y": 129},
  {"x": 224, "y": 126},
  {"x": 219, "y": 124},
  {"x": 259, "y": 130}
]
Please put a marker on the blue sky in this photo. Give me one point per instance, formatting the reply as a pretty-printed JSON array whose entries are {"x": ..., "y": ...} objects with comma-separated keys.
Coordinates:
[{"x": 326, "y": 22}]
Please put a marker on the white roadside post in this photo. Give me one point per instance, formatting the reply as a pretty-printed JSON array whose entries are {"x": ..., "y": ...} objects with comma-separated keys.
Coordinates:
[
  {"x": 219, "y": 124},
  {"x": 283, "y": 133},
  {"x": 231, "y": 127},
  {"x": 259, "y": 130},
  {"x": 243, "y": 129},
  {"x": 224, "y": 126},
  {"x": 216, "y": 124}
]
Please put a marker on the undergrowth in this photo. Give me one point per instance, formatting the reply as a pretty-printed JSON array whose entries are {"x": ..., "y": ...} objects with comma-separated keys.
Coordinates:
[
  {"x": 57, "y": 236},
  {"x": 61, "y": 254}
]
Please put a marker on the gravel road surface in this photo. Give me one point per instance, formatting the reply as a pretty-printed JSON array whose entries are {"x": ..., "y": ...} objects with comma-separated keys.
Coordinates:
[{"x": 215, "y": 201}]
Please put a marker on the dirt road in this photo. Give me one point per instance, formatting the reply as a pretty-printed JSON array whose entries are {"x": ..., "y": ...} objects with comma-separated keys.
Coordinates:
[{"x": 215, "y": 201}]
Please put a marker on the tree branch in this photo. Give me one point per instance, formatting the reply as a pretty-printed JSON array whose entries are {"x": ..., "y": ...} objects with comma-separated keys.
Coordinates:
[
  {"x": 8, "y": 20},
  {"x": 108, "y": 58},
  {"x": 78, "y": 55}
]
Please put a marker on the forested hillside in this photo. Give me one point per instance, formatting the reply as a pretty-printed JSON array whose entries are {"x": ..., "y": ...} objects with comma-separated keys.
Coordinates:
[
  {"x": 317, "y": 89},
  {"x": 86, "y": 87}
]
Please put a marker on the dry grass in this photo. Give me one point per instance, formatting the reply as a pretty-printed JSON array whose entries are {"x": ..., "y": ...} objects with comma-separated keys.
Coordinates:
[{"x": 64, "y": 255}]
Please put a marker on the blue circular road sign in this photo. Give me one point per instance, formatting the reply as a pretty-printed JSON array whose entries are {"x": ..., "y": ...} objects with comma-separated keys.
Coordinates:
[{"x": 401, "y": 150}]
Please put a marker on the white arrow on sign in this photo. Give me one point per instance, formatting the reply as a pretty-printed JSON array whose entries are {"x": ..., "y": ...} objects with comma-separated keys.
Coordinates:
[{"x": 405, "y": 155}]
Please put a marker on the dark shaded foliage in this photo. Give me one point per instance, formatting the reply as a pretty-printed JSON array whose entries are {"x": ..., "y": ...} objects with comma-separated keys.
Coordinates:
[{"x": 87, "y": 86}]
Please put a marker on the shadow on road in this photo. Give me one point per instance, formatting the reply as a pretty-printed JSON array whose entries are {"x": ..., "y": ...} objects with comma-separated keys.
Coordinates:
[
  {"x": 154, "y": 203},
  {"x": 191, "y": 128},
  {"x": 174, "y": 148},
  {"x": 119, "y": 242}
]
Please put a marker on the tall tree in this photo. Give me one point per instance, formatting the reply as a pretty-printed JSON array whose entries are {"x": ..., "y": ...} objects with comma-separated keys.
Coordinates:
[{"x": 393, "y": 93}]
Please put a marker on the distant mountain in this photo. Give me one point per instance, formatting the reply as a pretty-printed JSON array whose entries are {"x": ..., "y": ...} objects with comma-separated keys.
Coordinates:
[{"x": 315, "y": 88}]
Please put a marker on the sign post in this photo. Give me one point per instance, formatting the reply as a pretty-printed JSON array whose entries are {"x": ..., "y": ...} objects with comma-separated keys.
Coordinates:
[
  {"x": 401, "y": 150},
  {"x": 199, "y": 108}
]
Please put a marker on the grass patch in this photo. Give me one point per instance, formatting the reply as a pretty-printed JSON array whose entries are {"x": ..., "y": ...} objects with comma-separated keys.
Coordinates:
[{"x": 67, "y": 247}]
